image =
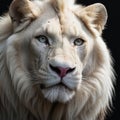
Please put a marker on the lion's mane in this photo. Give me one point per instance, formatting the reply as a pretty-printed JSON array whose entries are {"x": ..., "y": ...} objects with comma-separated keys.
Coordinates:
[{"x": 18, "y": 101}]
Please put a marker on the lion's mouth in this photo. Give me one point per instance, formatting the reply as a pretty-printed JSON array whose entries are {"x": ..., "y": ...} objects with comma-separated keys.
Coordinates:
[
  {"x": 58, "y": 92},
  {"x": 42, "y": 86}
]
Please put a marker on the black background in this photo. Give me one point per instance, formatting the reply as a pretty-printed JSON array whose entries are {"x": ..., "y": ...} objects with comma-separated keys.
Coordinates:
[{"x": 111, "y": 36}]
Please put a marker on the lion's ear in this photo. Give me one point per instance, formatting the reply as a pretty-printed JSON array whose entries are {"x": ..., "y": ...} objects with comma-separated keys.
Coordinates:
[
  {"x": 94, "y": 15},
  {"x": 22, "y": 12}
]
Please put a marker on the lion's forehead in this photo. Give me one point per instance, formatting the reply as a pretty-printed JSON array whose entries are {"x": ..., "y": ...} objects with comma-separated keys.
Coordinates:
[{"x": 59, "y": 24}]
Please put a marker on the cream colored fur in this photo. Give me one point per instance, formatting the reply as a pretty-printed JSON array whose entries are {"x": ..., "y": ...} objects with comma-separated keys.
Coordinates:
[{"x": 29, "y": 87}]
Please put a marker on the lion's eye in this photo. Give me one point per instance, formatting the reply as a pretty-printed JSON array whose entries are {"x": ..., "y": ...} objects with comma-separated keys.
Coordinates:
[
  {"x": 78, "y": 42},
  {"x": 43, "y": 39}
]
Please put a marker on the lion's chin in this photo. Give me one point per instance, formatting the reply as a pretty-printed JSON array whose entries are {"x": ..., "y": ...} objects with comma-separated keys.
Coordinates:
[{"x": 58, "y": 93}]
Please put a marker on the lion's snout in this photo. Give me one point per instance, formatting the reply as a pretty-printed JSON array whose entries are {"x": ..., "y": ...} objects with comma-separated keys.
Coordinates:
[
  {"x": 62, "y": 65},
  {"x": 61, "y": 70}
]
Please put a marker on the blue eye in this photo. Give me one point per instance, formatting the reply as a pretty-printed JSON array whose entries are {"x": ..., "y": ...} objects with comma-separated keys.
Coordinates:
[
  {"x": 43, "y": 39},
  {"x": 78, "y": 42}
]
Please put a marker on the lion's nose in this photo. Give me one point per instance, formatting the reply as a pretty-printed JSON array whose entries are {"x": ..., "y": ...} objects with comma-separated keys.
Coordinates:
[{"x": 61, "y": 71}]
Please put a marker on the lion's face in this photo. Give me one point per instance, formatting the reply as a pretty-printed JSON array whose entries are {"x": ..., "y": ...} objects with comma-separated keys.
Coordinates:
[
  {"x": 50, "y": 52},
  {"x": 55, "y": 54},
  {"x": 57, "y": 57}
]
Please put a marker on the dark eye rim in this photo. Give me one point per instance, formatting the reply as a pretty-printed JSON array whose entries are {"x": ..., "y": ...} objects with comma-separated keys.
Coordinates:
[
  {"x": 81, "y": 41},
  {"x": 46, "y": 42}
]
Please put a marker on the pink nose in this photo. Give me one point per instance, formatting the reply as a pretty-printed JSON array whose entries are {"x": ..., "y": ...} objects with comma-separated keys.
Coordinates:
[{"x": 61, "y": 71}]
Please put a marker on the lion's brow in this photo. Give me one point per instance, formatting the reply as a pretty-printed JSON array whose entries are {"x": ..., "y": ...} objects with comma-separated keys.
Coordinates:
[{"x": 52, "y": 31}]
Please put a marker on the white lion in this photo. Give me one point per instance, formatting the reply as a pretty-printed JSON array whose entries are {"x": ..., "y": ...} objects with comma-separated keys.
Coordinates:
[{"x": 54, "y": 64}]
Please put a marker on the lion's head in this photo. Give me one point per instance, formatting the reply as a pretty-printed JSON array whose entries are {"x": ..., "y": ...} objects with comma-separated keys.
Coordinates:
[{"x": 53, "y": 53}]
